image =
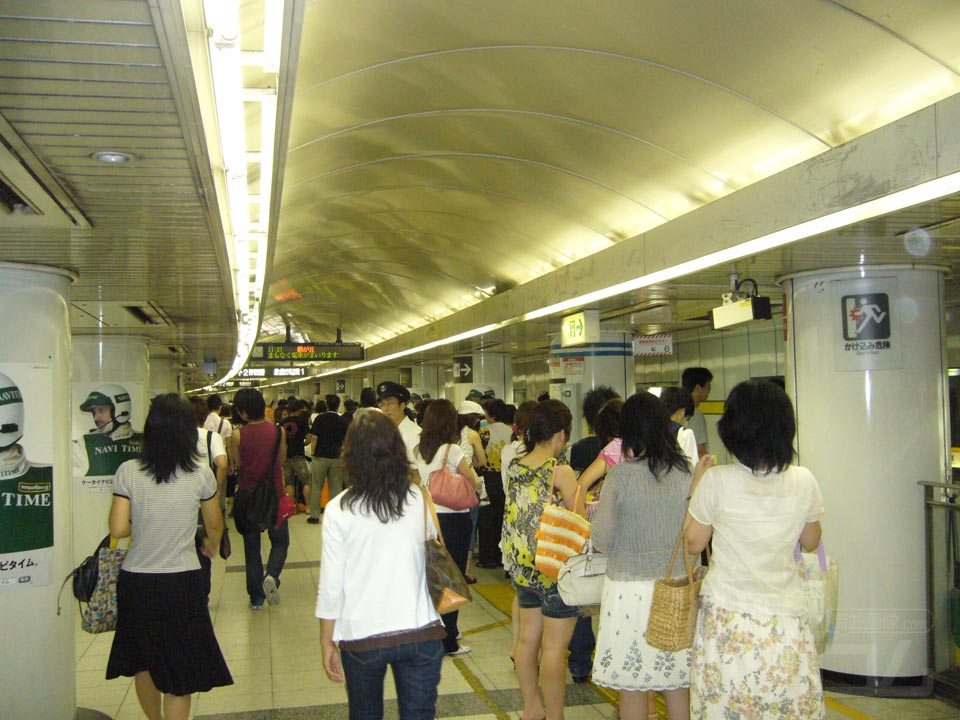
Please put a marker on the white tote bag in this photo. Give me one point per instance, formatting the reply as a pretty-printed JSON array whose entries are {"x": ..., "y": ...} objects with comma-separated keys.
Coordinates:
[{"x": 821, "y": 592}]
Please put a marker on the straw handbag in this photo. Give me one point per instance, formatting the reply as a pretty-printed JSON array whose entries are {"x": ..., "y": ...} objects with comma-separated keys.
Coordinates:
[
  {"x": 673, "y": 613},
  {"x": 562, "y": 534}
]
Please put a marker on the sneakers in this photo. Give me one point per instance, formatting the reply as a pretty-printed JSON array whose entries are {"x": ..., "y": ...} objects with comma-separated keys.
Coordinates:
[
  {"x": 313, "y": 520},
  {"x": 462, "y": 650},
  {"x": 270, "y": 589},
  {"x": 255, "y": 607}
]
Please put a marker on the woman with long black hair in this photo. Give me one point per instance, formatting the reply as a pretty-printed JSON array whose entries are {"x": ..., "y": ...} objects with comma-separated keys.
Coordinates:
[
  {"x": 164, "y": 636},
  {"x": 637, "y": 524},
  {"x": 373, "y": 603}
]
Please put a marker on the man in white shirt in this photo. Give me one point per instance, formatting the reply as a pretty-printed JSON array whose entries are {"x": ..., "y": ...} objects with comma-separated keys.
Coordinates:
[
  {"x": 697, "y": 381},
  {"x": 393, "y": 398},
  {"x": 215, "y": 423}
]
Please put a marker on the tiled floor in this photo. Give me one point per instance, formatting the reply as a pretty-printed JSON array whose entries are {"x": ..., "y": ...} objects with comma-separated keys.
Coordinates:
[{"x": 275, "y": 659}]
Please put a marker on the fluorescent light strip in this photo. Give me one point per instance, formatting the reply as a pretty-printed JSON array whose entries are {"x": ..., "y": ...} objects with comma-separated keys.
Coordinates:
[{"x": 930, "y": 190}]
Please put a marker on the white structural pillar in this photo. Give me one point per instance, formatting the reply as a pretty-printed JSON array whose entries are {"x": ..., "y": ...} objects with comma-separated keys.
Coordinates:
[
  {"x": 114, "y": 370},
  {"x": 38, "y": 679},
  {"x": 866, "y": 370},
  {"x": 164, "y": 377},
  {"x": 576, "y": 370}
]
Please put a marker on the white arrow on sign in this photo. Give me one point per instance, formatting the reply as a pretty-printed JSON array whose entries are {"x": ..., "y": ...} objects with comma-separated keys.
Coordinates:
[{"x": 465, "y": 370}]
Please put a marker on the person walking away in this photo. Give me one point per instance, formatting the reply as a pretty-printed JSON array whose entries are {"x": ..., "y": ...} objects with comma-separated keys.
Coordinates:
[
  {"x": 253, "y": 445},
  {"x": 164, "y": 637},
  {"x": 211, "y": 448},
  {"x": 327, "y": 434},
  {"x": 372, "y": 600},
  {"x": 296, "y": 467}
]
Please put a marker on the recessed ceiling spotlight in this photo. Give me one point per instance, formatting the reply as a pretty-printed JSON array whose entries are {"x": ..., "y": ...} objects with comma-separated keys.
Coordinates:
[{"x": 112, "y": 156}]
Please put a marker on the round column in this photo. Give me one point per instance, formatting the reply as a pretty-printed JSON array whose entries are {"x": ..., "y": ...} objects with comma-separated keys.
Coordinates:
[
  {"x": 164, "y": 377},
  {"x": 867, "y": 372},
  {"x": 110, "y": 399},
  {"x": 576, "y": 370},
  {"x": 39, "y": 677}
]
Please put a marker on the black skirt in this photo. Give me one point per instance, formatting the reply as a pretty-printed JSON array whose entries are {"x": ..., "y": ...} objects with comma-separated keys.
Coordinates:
[{"x": 164, "y": 627}]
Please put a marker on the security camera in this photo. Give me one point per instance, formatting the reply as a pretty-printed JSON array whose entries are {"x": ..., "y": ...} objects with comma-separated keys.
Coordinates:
[{"x": 740, "y": 307}]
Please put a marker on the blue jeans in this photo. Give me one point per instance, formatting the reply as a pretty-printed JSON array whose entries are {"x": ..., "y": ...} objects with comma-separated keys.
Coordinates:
[
  {"x": 279, "y": 542},
  {"x": 581, "y": 648},
  {"x": 416, "y": 674}
]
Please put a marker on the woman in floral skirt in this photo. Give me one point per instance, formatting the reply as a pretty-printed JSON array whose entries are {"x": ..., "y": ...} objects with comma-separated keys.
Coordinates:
[{"x": 754, "y": 654}]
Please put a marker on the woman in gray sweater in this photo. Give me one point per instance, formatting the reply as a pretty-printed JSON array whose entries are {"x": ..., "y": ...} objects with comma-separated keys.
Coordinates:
[{"x": 637, "y": 524}]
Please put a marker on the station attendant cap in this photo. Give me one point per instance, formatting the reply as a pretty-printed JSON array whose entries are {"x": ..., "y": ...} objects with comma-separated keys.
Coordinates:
[
  {"x": 481, "y": 392},
  {"x": 468, "y": 407},
  {"x": 394, "y": 390}
]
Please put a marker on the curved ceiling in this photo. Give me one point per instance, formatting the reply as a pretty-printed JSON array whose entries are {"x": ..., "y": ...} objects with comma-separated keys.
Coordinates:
[{"x": 441, "y": 153}]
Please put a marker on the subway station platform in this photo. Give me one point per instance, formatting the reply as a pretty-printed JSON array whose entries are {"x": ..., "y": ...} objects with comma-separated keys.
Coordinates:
[{"x": 274, "y": 656}]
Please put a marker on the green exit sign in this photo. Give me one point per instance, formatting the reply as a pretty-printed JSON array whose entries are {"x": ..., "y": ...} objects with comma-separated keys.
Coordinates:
[{"x": 581, "y": 328}]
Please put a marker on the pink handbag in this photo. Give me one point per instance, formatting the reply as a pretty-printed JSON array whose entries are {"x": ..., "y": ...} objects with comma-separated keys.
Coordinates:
[{"x": 451, "y": 489}]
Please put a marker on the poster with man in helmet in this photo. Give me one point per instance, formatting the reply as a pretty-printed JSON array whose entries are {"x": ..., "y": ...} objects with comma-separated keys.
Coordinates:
[
  {"x": 111, "y": 441},
  {"x": 26, "y": 486}
]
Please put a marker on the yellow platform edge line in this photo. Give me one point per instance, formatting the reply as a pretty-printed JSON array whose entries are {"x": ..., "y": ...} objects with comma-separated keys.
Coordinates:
[
  {"x": 479, "y": 690},
  {"x": 483, "y": 628},
  {"x": 850, "y": 712}
]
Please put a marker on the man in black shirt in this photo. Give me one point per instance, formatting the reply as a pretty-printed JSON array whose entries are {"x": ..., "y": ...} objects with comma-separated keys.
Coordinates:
[
  {"x": 327, "y": 435},
  {"x": 295, "y": 467}
]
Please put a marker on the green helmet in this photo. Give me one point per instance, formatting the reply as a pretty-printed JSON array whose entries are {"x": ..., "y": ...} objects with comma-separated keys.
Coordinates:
[{"x": 116, "y": 396}]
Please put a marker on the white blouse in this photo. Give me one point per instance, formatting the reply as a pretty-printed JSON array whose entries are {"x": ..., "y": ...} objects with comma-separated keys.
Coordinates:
[
  {"x": 757, "y": 521},
  {"x": 365, "y": 561}
]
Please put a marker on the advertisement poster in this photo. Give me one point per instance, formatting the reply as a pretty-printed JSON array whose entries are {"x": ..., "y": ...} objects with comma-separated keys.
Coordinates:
[
  {"x": 26, "y": 476},
  {"x": 104, "y": 432},
  {"x": 867, "y": 336}
]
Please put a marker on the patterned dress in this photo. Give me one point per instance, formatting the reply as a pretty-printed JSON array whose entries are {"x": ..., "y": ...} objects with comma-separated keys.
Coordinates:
[{"x": 528, "y": 490}]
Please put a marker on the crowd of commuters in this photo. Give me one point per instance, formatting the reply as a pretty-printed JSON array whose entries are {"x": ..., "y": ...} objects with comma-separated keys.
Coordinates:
[{"x": 643, "y": 476}]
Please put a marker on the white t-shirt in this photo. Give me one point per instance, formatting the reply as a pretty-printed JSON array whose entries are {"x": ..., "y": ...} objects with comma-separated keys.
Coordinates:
[
  {"x": 425, "y": 468},
  {"x": 410, "y": 432},
  {"x": 163, "y": 516},
  {"x": 364, "y": 561},
  {"x": 217, "y": 424},
  {"x": 688, "y": 445},
  {"x": 217, "y": 446},
  {"x": 757, "y": 521}
]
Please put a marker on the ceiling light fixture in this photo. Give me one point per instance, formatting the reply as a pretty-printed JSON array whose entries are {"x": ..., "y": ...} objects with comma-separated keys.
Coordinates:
[
  {"x": 247, "y": 236},
  {"x": 112, "y": 157},
  {"x": 924, "y": 192}
]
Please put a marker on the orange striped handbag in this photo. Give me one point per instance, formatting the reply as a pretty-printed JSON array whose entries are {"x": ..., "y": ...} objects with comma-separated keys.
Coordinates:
[{"x": 562, "y": 534}]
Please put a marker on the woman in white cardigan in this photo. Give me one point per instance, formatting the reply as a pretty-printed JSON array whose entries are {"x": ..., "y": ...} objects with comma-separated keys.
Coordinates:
[{"x": 373, "y": 603}]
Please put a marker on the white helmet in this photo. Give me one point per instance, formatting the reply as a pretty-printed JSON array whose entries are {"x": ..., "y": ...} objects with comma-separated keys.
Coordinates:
[
  {"x": 113, "y": 395},
  {"x": 11, "y": 412}
]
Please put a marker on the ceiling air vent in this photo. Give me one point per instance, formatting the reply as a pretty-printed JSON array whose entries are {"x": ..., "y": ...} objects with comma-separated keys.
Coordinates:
[{"x": 30, "y": 197}]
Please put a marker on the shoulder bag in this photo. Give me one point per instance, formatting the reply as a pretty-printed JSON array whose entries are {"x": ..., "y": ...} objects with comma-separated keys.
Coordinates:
[
  {"x": 446, "y": 585},
  {"x": 821, "y": 592},
  {"x": 581, "y": 579},
  {"x": 255, "y": 509},
  {"x": 562, "y": 534},
  {"x": 673, "y": 609},
  {"x": 451, "y": 489}
]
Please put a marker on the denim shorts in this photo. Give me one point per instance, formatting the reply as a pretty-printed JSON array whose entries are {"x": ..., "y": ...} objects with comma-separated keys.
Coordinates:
[{"x": 548, "y": 601}]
